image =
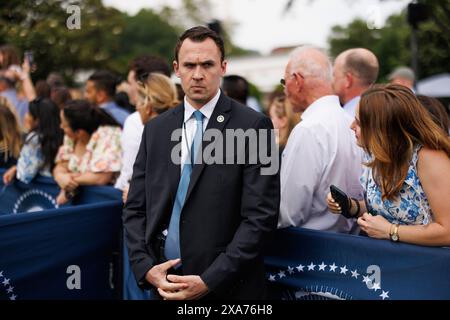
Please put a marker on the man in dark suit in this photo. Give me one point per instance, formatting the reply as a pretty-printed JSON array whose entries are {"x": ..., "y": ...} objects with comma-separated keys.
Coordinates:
[{"x": 214, "y": 216}]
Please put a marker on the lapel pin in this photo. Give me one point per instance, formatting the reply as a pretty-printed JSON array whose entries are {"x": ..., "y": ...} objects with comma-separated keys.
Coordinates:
[{"x": 220, "y": 119}]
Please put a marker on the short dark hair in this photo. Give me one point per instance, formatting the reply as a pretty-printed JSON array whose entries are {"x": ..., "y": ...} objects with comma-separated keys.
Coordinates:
[
  {"x": 43, "y": 89},
  {"x": 106, "y": 81},
  {"x": 199, "y": 34},
  {"x": 146, "y": 64},
  {"x": 236, "y": 87},
  {"x": 80, "y": 114},
  {"x": 60, "y": 96}
]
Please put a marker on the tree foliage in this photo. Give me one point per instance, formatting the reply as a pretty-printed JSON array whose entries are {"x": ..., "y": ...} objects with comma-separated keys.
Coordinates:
[
  {"x": 391, "y": 43},
  {"x": 40, "y": 26},
  {"x": 107, "y": 39}
]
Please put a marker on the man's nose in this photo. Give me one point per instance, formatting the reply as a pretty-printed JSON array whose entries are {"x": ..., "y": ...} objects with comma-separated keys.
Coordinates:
[{"x": 198, "y": 73}]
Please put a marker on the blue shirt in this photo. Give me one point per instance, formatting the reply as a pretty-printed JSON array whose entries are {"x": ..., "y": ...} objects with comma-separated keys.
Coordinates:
[
  {"x": 350, "y": 107},
  {"x": 115, "y": 111},
  {"x": 20, "y": 104}
]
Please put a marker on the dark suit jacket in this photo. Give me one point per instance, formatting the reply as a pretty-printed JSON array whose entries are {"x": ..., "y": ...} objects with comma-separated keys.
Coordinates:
[{"x": 228, "y": 212}]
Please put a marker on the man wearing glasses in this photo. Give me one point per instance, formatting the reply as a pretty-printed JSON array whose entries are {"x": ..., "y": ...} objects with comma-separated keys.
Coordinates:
[{"x": 321, "y": 149}]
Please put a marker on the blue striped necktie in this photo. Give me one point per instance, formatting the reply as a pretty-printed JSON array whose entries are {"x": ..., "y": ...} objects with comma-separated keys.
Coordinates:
[{"x": 172, "y": 246}]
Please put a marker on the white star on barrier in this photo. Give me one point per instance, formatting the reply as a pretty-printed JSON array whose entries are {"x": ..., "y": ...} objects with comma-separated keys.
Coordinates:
[
  {"x": 366, "y": 279},
  {"x": 6, "y": 282},
  {"x": 271, "y": 278},
  {"x": 281, "y": 274},
  {"x": 311, "y": 267},
  {"x": 10, "y": 290},
  {"x": 333, "y": 267},
  {"x": 290, "y": 270},
  {"x": 322, "y": 266},
  {"x": 300, "y": 268},
  {"x": 376, "y": 286},
  {"x": 355, "y": 274},
  {"x": 13, "y": 297},
  {"x": 344, "y": 269},
  {"x": 384, "y": 295}
]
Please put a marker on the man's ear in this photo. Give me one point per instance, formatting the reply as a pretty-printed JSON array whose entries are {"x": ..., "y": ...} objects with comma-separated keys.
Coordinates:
[
  {"x": 176, "y": 68},
  {"x": 300, "y": 82},
  {"x": 101, "y": 96},
  {"x": 224, "y": 67},
  {"x": 348, "y": 80}
]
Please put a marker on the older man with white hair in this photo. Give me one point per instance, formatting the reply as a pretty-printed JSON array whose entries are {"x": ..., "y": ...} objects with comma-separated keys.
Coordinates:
[{"x": 321, "y": 150}]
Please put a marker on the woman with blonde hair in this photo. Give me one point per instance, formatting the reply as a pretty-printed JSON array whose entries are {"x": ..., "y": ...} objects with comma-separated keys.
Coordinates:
[
  {"x": 407, "y": 173},
  {"x": 283, "y": 118},
  {"x": 10, "y": 135},
  {"x": 156, "y": 94}
]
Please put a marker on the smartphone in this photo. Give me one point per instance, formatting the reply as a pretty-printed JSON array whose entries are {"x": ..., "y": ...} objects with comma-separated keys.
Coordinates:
[
  {"x": 342, "y": 199},
  {"x": 30, "y": 57}
]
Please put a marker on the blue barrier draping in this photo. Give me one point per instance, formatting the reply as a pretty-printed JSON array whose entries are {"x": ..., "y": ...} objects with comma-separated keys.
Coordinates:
[
  {"x": 68, "y": 253},
  {"x": 308, "y": 264},
  {"x": 131, "y": 291},
  {"x": 63, "y": 253}
]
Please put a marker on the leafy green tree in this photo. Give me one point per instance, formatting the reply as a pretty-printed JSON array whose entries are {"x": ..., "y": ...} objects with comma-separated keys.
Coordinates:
[
  {"x": 391, "y": 44},
  {"x": 41, "y": 26},
  {"x": 107, "y": 38},
  {"x": 145, "y": 33}
]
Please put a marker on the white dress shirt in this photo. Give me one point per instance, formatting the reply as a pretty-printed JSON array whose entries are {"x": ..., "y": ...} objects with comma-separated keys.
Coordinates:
[
  {"x": 321, "y": 151},
  {"x": 190, "y": 125},
  {"x": 351, "y": 105},
  {"x": 130, "y": 140}
]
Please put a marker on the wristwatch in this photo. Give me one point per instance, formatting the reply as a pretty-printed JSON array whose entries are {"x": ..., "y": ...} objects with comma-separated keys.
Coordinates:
[{"x": 394, "y": 232}]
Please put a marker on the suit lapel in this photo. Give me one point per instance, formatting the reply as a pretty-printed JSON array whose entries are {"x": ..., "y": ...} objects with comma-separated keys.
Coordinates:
[
  {"x": 175, "y": 122},
  {"x": 222, "y": 109}
]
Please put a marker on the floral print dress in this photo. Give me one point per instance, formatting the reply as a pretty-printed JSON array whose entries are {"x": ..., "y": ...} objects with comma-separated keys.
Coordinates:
[
  {"x": 103, "y": 152},
  {"x": 411, "y": 207},
  {"x": 31, "y": 159}
]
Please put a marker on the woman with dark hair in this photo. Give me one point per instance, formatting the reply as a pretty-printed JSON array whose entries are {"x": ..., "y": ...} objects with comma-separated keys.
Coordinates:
[
  {"x": 91, "y": 153},
  {"x": 407, "y": 173},
  {"x": 9, "y": 57},
  {"x": 437, "y": 112},
  {"x": 41, "y": 143}
]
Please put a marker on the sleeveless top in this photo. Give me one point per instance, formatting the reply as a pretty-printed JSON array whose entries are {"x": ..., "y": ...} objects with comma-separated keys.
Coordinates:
[{"x": 410, "y": 207}]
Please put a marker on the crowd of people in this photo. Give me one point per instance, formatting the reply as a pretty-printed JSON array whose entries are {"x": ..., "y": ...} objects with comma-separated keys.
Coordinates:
[{"x": 387, "y": 148}]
